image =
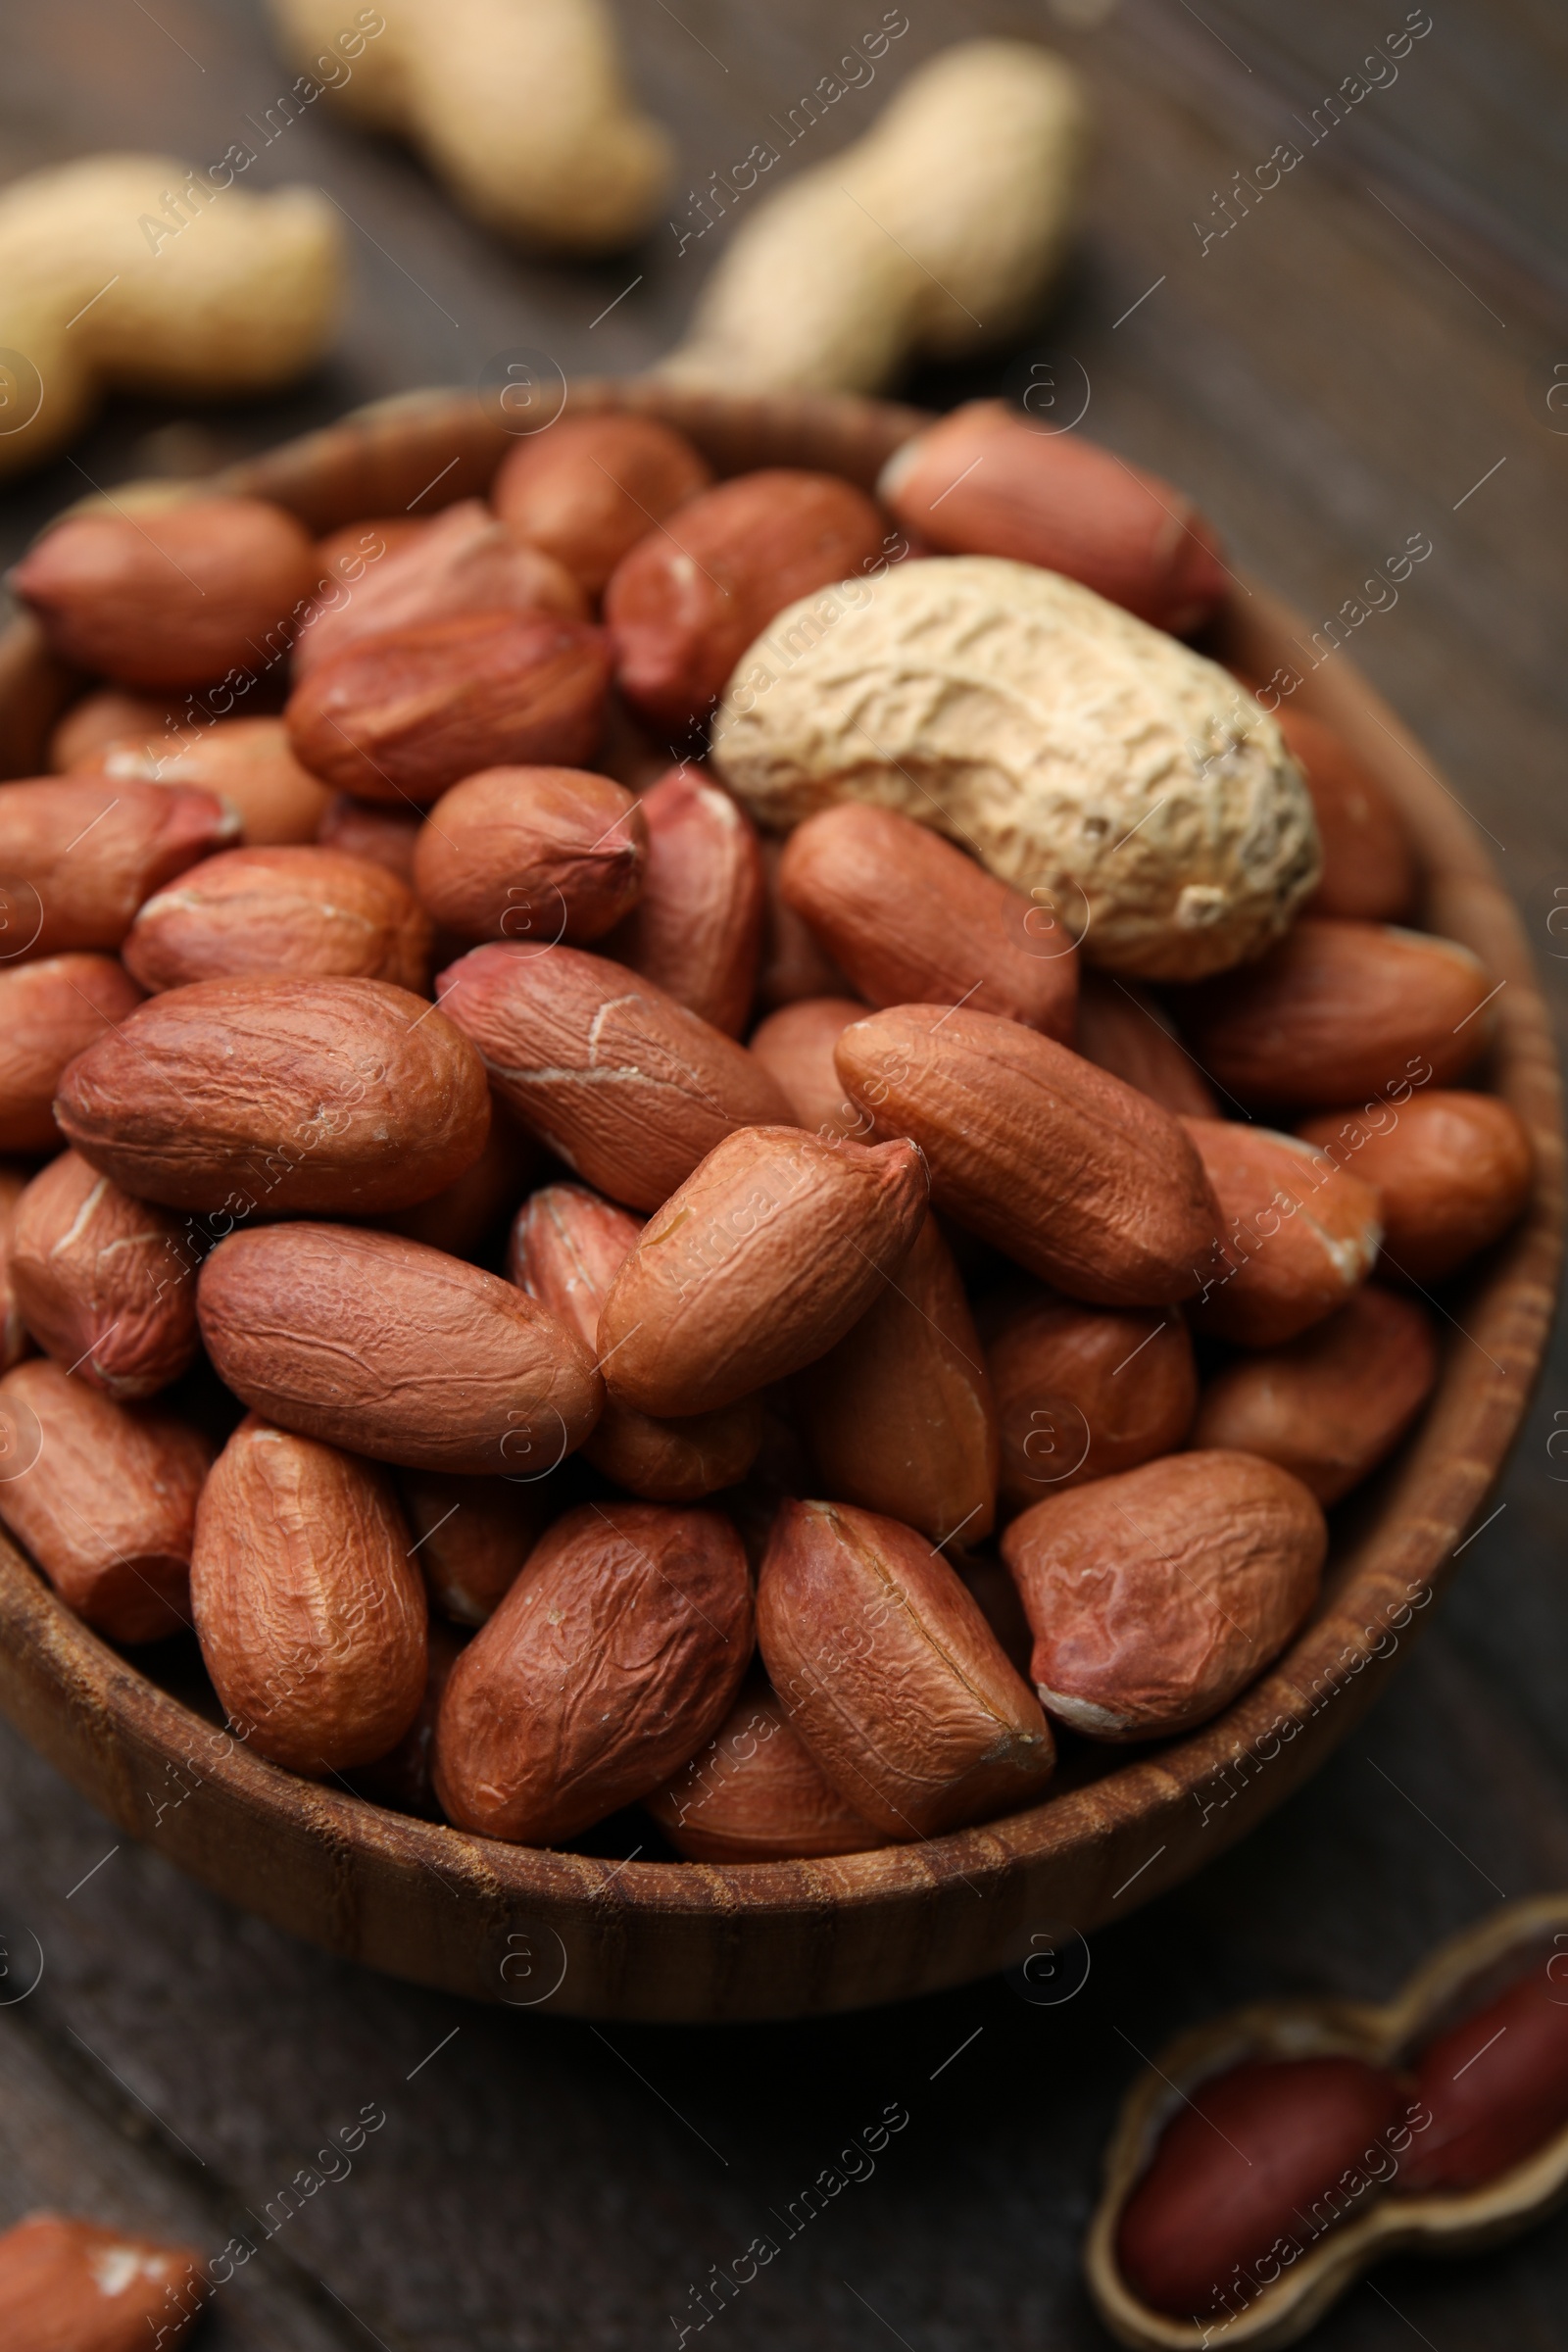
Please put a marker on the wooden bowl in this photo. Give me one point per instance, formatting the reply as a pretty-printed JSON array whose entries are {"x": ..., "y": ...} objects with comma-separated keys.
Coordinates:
[
  {"x": 1459, "y": 1978},
  {"x": 693, "y": 1940}
]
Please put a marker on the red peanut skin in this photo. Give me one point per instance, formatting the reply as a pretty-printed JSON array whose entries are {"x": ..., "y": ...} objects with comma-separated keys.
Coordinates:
[
  {"x": 399, "y": 718},
  {"x": 15, "y": 1341},
  {"x": 1242, "y": 2166},
  {"x": 887, "y": 1669},
  {"x": 753, "y": 1794},
  {"x": 592, "y": 486},
  {"x": 108, "y": 1506},
  {"x": 1496, "y": 2086},
  {"x": 795, "y": 1046},
  {"x": 534, "y": 855},
  {"x": 403, "y": 1779},
  {"x": 1453, "y": 1171},
  {"x": 794, "y": 964},
  {"x": 1120, "y": 1031},
  {"x": 900, "y": 1416},
  {"x": 566, "y": 1247},
  {"x": 688, "y": 599},
  {"x": 173, "y": 597},
  {"x": 1329, "y": 1406},
  {"x": 460, "y": 561},
  {"x": 613, "y": 1657},
  {"x": 1299, "y": 1233},
  {"x": 311, "y": 1615},
  {"x": 1156, "y": 1595},
  {"x": 106, "y": 1284},
  {"x": 471, "y": 1537},
  {"x": 697, "y": 929},
  {"x": 274, "y": 1094},
  {"x": 462, "y": 1217},
  {"x": 386, "y": 1348},
  {"x": 763, "y": 1260},
  {"x": 381, "y": 836},
  {"x": 623, "y": 1084},
  {"x": 1369, "y": 866},
  {"x": 245, "y": 761},
  {"x": 80, "y": 855},
  {"x": 49, "y": 1013},
  {"x": 1084, "y": 1391},
  {"x": 909, "y": 919},
  {"x": 1080, "y": 1179},
  {"x": 986, "y": 482},
  {"x": 53, "y": 2297},
  {"x": 292, "y": 908},
  {"x": 1339, "y": 1011}
]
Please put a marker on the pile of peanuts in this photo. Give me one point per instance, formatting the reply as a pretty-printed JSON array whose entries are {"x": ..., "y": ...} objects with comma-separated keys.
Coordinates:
[{"x": 779, "y": 1330}]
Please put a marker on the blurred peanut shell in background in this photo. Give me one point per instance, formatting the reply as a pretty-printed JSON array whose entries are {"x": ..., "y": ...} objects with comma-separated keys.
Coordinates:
[
  {"x": 1299, "y": 1233},
  {"x": 566, "y": 1247},
  {"x": 1339, "y": 1011},
  {"x": 279, "y": 1095},
  {"x": 753, "y": 1793},
  {"x": 78, "y": 855},
  {"x": 900, "y": 1416},
  {"x": 1079, "y": 1178},
  {"x": 795, "y": 1046},
  {"x": 311, "y": 1616},
  {"x": 389, "y": 1349},
  {"x": 592, "y": 486},
  {"x": 49, "y": 1013},
  {"x": 1121, "y": 1030},
  {"x": 303, "y": 911},
  {"x": 696, "y": 928},
  {"x": 1085, "y": 1392},
  {"x": 103, "y": 1497},
  {"x": 988, "y": 481},
  {"x": 460, "y": 561},
  {"x": 1157, "y": 1594},
  {"x": 912, "y": 920},
  {"x": 1090, "y": 761},
  {"x": 762, "y": 1261},
  {"x": 534, "y": 855},
  {"x": 400, "y": 719},
  {"x": 623, "y": 1084},
  {"x": 685, "y": 602},
  {"x": 1332, "y": 1403},
  {"x": 471, "y": 1537},
  {"x": 247, "y": 762},
  {"x": 613, "y": 1657},
  {"x": 1452, "y": 1172},
  {"x": 171, "y": 597},
  {"x": 105, "y": 1283},
  {"x": 890, "y": 1674}
]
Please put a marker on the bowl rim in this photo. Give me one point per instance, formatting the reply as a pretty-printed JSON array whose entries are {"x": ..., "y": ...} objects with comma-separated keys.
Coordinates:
[{"x": 1105, "y": 1846}]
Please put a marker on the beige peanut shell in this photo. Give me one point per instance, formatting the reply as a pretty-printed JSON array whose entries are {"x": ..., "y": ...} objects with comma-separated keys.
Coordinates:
[
  {"x": 522, "y": 109},
  {"x": 1096, "y": 764},
  {"x": 132, "y": 272},
  {"x": 937, "y": 231}
]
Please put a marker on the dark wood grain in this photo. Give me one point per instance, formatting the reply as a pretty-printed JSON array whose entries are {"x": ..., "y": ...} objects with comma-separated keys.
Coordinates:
[{"x": 1324, "y": 387}]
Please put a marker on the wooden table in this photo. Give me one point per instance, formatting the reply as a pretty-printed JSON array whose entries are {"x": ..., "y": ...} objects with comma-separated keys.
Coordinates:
[{"x": 1367, "y": 354}]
